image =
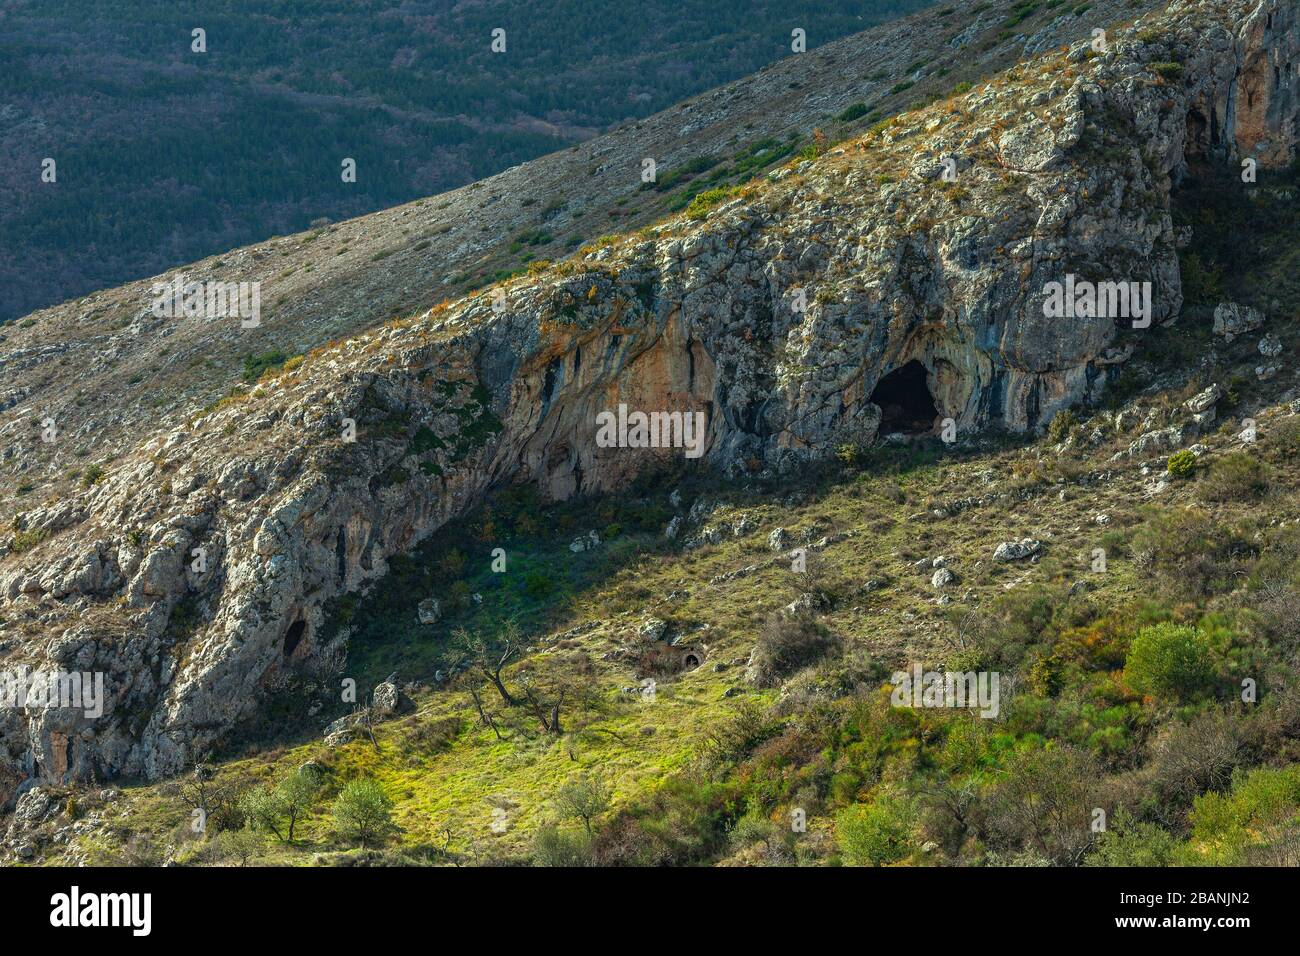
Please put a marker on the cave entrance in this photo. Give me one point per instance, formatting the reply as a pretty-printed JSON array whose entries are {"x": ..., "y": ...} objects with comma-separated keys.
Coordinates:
[
  {"x": 906, "y": 404},
  {"x": 293, "y": 636}
]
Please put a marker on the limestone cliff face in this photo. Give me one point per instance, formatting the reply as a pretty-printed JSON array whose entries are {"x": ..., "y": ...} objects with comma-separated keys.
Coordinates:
[{"x": 775, "y": 313}]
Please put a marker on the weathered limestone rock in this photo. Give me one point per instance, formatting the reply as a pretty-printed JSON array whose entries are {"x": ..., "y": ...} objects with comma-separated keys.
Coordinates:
[
  {"x": 429, "y": 611},
  {"x": 1232, "y": 319},
  {"x": 1017, "y": 550}
]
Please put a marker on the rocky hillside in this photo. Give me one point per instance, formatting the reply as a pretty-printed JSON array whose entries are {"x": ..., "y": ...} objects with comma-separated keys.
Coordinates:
[
  {"x": 339, "y": 279},
  {"x": 202, "y": 564}
]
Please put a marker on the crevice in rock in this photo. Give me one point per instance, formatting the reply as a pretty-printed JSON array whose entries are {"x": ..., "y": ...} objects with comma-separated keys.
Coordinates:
[{"x": 293, "y": 637}]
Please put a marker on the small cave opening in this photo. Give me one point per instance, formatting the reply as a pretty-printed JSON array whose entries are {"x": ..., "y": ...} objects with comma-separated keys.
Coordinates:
[
  {"x": 293, "y": 636},
  {"x": 906, "y": 404},
  {"x": 691, "y": 661},
  {"x": 1197, "y": 141}
]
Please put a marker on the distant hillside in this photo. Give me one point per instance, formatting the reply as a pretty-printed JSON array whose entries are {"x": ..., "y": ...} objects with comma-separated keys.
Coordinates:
[{"x": 165, "y": 155}]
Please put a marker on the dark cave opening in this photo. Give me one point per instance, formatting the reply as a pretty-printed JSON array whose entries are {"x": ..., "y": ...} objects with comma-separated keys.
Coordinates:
[
  {"x": 293, "y": 636},
  {"x": 905, "y": 401}
]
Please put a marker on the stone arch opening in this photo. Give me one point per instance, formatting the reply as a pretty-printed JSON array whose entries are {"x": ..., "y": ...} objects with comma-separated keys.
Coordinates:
[
  {"x": 293, "y": 637},
  {"x": 691, "y": 661},
  {"x": 906, "y": 404}
]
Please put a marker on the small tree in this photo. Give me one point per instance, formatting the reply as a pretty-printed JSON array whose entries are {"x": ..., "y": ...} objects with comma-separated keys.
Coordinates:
[
  {"x": 584, "y": 798},
  {"x": 489, "y": 659},
  {"x": 280, "y": 808},
  {"x": 297, "y": 793},
  {"x": 363, "y": 813}
]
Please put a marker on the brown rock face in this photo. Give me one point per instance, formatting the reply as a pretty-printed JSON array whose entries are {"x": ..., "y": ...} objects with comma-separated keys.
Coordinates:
[{"x": 1262, "y": 107}]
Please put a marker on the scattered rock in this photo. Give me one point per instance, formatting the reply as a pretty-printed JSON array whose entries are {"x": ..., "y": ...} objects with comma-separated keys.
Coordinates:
[
  {"x": 1232, "y": 319},
  {"x": 389, "y": 701},
  {"x": 1017, "y": 550},
  {"x": 652, "y": 630},
  {"x": 585, "y": 542},
  {"x": 428, "y": 611}
]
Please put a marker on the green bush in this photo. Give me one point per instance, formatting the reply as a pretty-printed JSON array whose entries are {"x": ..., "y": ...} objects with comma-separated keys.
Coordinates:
[
  {"x": 856, "y": 111},
  {"x": 255, "y": 366},
  {"x": 1235, "y": 476},
  {"x": 26, "y": 540},
  {"x": 363, "y": 813},
  {"x": 1181, "y": 464},
  {"x": 1129, "y": 843},
  {"x": 555, "y": 847},
  {"x": 701, "y": 204},
  {"x": 1063, "y": 422},
  {"x": 1260, "y": 806},
  {"x": 1168, "y": 71},
  {"x": 93, "y": 476},
  {"x": 1169, "y": 661},
  {"x": 874, "y": 834},
  {"x": 1202, "y": 284}
]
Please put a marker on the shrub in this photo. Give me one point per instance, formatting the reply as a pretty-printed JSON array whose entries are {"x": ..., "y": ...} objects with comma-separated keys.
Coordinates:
[
  {"x": 1129, "y": 843},
  {"x": 1286, "y": 437},
  {"x": 92, "y": 476},
  {"x": 1188, "y": 759},
  {"x": 584, "y": 799},
  {"x": 1169, "y": 660},
  {"x": 1259, "y": 807},
  {"x": 1063, "y": 422},
  {"x": 786, "y": 644},
  {"x": 363, "y": 813},
  {"x": 734, "y": 736},
  {"x": 753, "y": 828},
  {"x": 1181, "y": 464},
  {"x": 555, "y": 847},
  {"x": 1168, "y": 71},
  {"x": 25, "y": 540},
  {"x": 538, "y": 584},
  {"x": 876, "y": 833},
  {"x": 1202, "y": 283},
  {"x": 1235, "y": 476},
  {"x": 1192, "y": 553},
  {"x": 855, "y": 111},
  {"x": 701, "y": 204},
  {"x": 255, "y": 366},
  {"x": 1044, "y": 803}
]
